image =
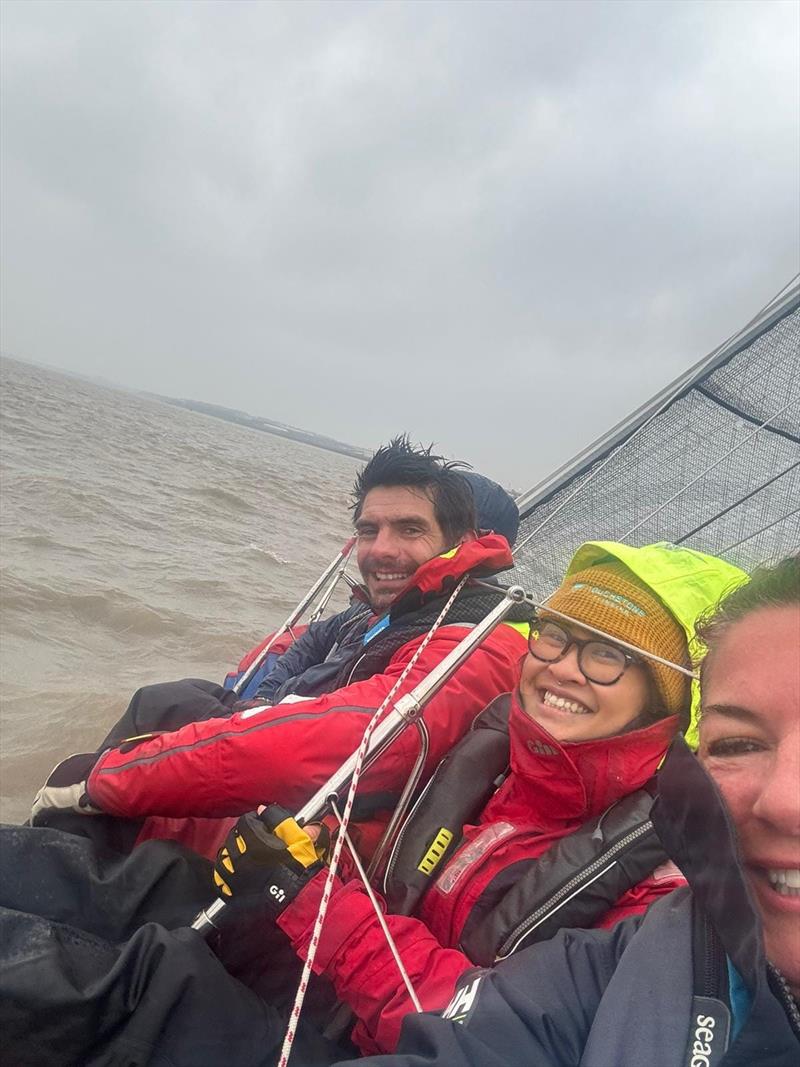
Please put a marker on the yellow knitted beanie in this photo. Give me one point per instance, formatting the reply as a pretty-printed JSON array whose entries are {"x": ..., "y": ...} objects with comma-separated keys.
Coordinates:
[{"x": 612, "y": 599}]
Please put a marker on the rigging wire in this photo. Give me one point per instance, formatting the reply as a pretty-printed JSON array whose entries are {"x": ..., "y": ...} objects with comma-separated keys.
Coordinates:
[
  {"x": 703, "y": 473},
  {"x": 581, "y": 485},
  {"x": 679, "y": 386},
  {"x": 612, "y": 455},
  {"x": 736, "y": 503},
  {"x": 378, "y": 911},
  {"x": 763, "y": 529},
  {"x": 543, "y": 606},
  {"x": 348, "y": 807}
]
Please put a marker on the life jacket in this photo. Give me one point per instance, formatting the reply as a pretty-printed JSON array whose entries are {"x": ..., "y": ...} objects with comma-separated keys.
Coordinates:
[
  {"x": 572, "y": 884},
  {"x": 362, "y": 654},
  {"x": 409, "y": 618},
  {"x": 280, "y": 646}
]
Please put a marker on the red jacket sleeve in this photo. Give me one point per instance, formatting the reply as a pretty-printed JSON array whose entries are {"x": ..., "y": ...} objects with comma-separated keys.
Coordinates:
[
  {"x": 285, "y": 753},
  {"x": 354, "y": 955},
  {"x": 637, "y": 900}
]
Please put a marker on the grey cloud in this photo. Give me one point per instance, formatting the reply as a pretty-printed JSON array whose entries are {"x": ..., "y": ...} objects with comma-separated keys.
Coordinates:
[{"x": 484, "y": 223}]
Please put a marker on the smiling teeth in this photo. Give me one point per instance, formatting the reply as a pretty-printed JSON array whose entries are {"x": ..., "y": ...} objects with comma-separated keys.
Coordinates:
[
  {"x": 564, "y": 705},
  {"x": 785, "y": 881},
  {"x": 387, "y": 576}
]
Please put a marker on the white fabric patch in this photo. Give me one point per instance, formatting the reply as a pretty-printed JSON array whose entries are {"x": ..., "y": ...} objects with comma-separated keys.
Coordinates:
[
  {"x": 268, "y": 707},
  {"x": 667, "y": 870},
  {"x": 471, "y": 853}
]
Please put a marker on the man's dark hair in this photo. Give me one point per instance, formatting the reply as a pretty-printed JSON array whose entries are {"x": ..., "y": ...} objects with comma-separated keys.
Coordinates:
[
  {"x": 400, "y": 463},
  {"x": 769, "y": 587}
]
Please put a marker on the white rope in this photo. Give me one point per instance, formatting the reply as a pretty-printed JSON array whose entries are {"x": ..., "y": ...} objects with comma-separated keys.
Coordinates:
[
  {"x": 378, "y": 912},
  {"x": 302, "y": 987},
  {"x": 703, "y": 473}
]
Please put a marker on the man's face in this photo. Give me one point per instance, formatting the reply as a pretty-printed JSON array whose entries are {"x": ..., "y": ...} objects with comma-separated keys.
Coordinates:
[
  {"x": 397, "y": 532},
  {"x": 750, "y": 745}
]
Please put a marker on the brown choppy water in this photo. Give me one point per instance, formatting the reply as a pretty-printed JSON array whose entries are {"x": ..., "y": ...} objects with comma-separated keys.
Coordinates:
[{"x": 138, "y": 543}]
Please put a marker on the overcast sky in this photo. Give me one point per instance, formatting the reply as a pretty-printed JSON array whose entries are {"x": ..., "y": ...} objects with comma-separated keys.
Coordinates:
[{"x": 498, "y": 226}]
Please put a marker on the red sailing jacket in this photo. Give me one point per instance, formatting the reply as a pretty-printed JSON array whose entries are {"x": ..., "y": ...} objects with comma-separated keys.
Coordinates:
[
  {"x": 552, "y": 790},
  {"x": 284, "y": 753}
]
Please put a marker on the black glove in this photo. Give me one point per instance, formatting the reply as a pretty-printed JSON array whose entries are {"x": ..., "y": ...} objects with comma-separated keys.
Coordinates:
[{"x": 266, "y": 858}]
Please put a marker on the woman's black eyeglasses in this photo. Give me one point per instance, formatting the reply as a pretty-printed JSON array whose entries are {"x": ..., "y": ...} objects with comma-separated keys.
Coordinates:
[{"x": 599, "y": 661}]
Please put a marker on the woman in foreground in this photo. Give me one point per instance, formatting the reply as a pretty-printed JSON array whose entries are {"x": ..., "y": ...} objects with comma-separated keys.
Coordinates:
[{"x": 710, "y": 976}]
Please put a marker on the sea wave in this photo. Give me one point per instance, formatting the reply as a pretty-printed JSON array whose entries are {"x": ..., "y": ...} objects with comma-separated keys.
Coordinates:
[
  {"x": 140, "y": 543},
  {"x": 109, "y": 608},
  {"x": 223, "y": 497},
  {"x": 268, "y": 552},
  {"x": 48, "y": 544}
]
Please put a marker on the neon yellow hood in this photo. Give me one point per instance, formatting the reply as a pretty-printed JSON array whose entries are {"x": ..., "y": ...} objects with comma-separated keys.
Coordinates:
[{"x": 688, "y": 583}]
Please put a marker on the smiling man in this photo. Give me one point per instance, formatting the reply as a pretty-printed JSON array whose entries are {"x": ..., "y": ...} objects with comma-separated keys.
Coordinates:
[
  {"x": 408, "y": 507},
  {"x": 415, "y": 521},
  {"x": 397, "y": 532}
]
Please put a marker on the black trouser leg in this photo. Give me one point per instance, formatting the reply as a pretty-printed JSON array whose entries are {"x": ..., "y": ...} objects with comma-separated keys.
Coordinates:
[
  {"x": 168, "y": 706},
  {"x": 70, "y": 880},
  {"x": 161, "y": 998}
]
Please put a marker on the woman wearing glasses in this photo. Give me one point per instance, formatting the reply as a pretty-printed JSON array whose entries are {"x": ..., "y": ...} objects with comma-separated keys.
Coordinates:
[
  {"x": 539, "y": 819},
  {"x": 709, "y": 977}
]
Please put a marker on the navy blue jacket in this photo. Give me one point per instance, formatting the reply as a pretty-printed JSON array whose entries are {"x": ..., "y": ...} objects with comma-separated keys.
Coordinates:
[
  {"x": 312, "y": 662},
  {"x": 641, "y": 993}
]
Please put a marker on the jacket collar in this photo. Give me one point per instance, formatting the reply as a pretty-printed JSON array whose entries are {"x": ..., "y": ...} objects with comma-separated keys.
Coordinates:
[
  {"x": 580, "y": 780},
  {"x": 437, "y": 577},
  {"x": 696, "y": 830}
]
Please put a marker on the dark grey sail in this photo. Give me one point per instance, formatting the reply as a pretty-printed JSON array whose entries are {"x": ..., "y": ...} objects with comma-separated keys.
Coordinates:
[{"x": 712, "y": 462}]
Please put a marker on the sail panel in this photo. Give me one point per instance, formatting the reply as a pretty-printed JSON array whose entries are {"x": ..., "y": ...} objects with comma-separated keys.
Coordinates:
[{"x": 696, "y": 466}]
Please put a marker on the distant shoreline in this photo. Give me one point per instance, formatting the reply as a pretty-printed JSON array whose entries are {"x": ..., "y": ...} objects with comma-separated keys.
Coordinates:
[
  {"x": 257, "y": 422},
  {"x": 217, "y": 411}
]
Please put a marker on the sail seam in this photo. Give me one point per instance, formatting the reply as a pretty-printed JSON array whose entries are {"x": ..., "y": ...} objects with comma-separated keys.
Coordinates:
[
  {"x": 683, "y": 387},
  {"x": 734, "y": 410}
]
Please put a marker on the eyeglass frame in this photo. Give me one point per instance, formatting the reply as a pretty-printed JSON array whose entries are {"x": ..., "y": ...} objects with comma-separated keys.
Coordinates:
[
  {"x": 694, "y": 675},
  {"x": 580, "y": 643}
]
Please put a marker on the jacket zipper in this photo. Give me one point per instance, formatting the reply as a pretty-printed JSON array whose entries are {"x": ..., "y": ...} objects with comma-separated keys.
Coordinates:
[
  {"x": 407, "y": 823},
  {"x": 391, "y": 862},
  {"x": 786, "y": 998},
  {"x": 711, "y": 962},
  {"x": 585, "y": 877}
]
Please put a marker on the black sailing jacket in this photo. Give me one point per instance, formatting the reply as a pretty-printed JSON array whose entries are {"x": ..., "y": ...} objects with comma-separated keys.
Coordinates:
[{"x": 652, "y": 992}]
